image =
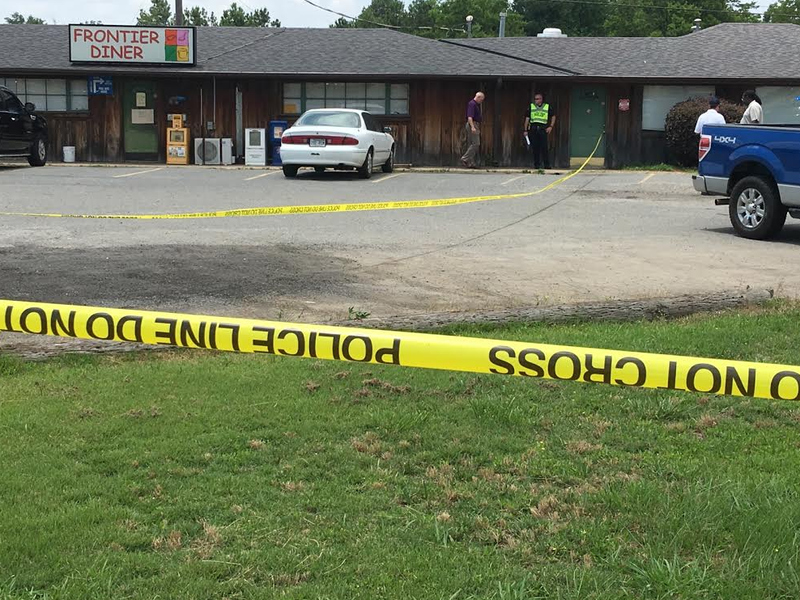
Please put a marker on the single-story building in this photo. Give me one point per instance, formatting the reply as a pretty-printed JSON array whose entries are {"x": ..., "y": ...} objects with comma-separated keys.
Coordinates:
[
  {"x": 653, "y": 74},
  {"x": 114, "y": 106}
]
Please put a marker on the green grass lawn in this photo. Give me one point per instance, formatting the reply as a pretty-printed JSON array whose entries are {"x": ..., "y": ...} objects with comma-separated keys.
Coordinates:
[{"x": 184, "y": 474}]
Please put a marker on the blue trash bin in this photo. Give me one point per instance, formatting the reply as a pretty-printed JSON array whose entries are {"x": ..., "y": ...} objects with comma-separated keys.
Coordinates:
[
  {"x": 276, "y": 129},
  {"x": 275, "y": 155}
]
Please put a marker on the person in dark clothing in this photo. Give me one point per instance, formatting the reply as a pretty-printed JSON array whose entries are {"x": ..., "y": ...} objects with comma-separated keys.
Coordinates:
[
  {"x": 539, "y": 123},
  {"x": 474, "y": 119}
]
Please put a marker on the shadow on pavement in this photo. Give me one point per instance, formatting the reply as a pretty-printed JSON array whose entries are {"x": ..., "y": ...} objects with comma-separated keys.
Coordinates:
[
  {"x": 170, "y": 275},
  {"x": 790, "y": 235}
]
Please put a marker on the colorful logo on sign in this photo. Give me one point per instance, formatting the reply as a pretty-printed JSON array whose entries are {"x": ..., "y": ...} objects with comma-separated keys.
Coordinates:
[
  {"x": 176, "y": 48},
  {"x": 131, "y": 45}
]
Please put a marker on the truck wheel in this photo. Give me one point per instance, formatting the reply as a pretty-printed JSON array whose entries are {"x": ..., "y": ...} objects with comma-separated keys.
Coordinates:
[{"x": 755, "y": 209}]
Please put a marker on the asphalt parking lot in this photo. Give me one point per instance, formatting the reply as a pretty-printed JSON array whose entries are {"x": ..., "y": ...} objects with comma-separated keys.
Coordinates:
[{"x": 600, "y": 235}]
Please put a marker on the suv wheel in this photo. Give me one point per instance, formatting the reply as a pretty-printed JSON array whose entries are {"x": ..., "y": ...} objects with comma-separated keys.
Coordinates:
[
  {"x": 38, "y": 156},
  {"x": 755, "y": 209}
]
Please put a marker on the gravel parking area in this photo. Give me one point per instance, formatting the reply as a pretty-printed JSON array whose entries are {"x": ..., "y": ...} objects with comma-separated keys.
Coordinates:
[{"x": 598, "y": 236}]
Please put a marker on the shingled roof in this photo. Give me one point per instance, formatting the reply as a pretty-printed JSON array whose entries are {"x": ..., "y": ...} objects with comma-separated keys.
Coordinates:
[
  {"x": 279, "y": 51},
  {"x": 750, "y": 51},
  {"x": 754, "y": 52}
]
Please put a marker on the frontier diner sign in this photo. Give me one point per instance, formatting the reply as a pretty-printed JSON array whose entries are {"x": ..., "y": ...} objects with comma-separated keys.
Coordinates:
[{"x": 174, "y": 46}]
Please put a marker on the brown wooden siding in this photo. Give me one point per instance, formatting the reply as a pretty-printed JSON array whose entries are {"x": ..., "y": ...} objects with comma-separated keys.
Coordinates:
[
  {"x": 437, "y": 125},
  {"x": 96, "y": 135},
  {"x": 433, "y": 134},
  {"x": 623, "y": 128}
]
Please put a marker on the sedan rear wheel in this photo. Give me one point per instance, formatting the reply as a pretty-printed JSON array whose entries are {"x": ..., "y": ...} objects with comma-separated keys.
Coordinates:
[
  {"x": 388, "y": 166},
  {"x": 290, "y": 170},
  {"x": 365, "y": 170}
]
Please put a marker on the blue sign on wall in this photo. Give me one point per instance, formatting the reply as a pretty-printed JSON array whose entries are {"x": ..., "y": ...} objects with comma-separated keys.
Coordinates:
[{"x": 100, "y": 86}]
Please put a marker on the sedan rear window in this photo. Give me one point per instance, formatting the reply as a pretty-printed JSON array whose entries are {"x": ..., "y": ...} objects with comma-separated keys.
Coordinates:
[{"x": 331, "y": 119}]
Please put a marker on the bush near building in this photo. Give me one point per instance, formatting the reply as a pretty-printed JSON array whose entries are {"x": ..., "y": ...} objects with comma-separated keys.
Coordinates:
[{"x": 681, "y": 120}]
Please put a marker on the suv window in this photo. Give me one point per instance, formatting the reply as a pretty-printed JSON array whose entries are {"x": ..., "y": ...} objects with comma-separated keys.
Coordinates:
[{"x": 10, "y": 103}]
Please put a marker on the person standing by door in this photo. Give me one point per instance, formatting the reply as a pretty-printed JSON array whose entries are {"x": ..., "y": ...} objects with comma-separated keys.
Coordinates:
[
  {"x": 539, "y": 123},
  {"x": 473, "y": 127}
]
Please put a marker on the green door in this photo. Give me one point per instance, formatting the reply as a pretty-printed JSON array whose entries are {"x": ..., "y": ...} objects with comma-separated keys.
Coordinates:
[
  {"x": 587, "y": 121},
  {"x": 139, "y": 117}
]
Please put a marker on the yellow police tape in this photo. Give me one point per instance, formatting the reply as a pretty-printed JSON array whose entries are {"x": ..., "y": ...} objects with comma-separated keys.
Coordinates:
[
  {"x": 307, "y": 209},
  {"x": 449, "y": 353}
]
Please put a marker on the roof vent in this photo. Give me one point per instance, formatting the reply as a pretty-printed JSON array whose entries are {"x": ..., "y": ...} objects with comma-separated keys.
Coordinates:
[{"x": 551, "y": 32}]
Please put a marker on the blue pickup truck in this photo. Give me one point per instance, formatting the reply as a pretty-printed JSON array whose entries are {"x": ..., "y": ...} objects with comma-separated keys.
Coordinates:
[{"x": 756, "y": 171}]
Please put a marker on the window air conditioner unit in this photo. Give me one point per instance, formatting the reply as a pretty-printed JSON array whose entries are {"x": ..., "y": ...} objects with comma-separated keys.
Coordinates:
[{"x": 207, "y": 151}]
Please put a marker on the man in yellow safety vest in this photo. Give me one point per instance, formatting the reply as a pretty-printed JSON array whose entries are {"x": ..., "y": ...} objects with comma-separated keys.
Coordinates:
[{"x": 539, "y": 123}]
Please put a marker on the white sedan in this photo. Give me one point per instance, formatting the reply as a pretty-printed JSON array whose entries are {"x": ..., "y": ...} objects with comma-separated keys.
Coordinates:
[{"x": 339, "y": 139}]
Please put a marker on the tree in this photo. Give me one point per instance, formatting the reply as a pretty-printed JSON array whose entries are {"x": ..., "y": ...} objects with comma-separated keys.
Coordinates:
[
  {"x": 160, "y": 13},
  {"x": 439, "y": 18},
  {"x": 199, "y": 17},
  {"x": 425, "y": 18},
  {"x": 386, "y": 12},
  {"x": 573, "y": 19},
  {"x": 20, "y": 19},
  {"x": 676, "y": 18},
  {"x": 342, "y": 23},
  {"x": 631, "y": 17},
  {"x": 784, "y": 11},
  {"x": 236, "y": 16},
  {"x": 486, "y": 17}
]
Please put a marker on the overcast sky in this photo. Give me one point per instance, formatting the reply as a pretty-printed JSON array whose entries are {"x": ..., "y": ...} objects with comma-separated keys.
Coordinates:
[{"x": 292, "y": 13}]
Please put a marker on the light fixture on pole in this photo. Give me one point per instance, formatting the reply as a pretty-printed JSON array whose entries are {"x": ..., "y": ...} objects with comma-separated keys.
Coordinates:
[{"x": 469, "y": 25}]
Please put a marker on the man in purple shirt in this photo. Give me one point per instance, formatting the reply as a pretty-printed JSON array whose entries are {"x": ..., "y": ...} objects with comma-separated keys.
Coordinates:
[{"x": 474, "y": 118}]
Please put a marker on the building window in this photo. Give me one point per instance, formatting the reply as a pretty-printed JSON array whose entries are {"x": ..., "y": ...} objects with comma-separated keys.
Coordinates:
[
  {"x": 782, "y": 104},
  {"x": 377, "y": 98},
  {"x": 50, "y": 95},
  {"x": 659, "y": 99}
]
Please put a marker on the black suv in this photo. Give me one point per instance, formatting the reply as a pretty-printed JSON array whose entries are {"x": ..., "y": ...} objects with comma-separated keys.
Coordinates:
[{"x": 22, "y": 131}]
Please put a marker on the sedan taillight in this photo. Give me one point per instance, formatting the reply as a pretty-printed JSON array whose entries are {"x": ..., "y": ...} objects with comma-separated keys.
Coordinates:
[
  {"x": 330, "y": 140},
  {"x": 705, "y": 147}
]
